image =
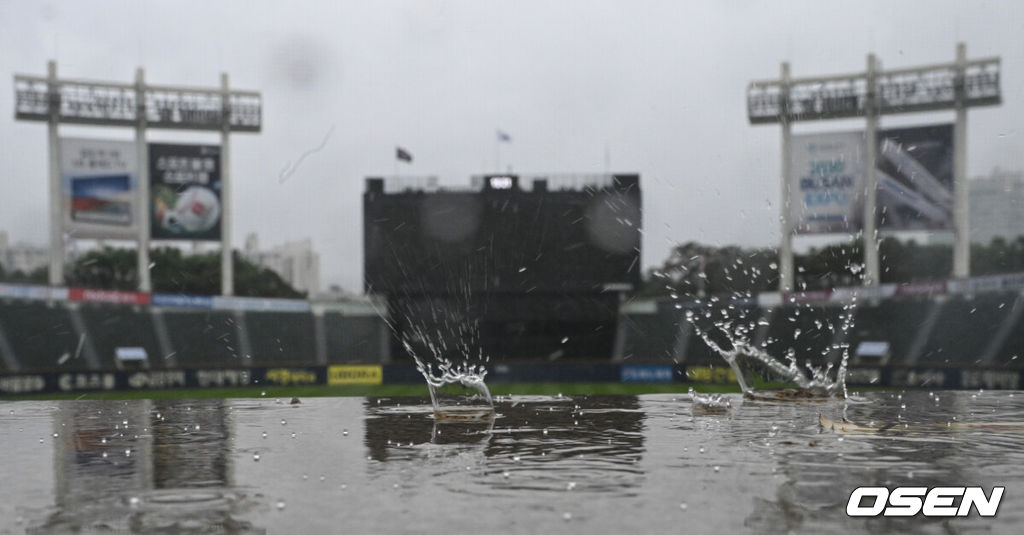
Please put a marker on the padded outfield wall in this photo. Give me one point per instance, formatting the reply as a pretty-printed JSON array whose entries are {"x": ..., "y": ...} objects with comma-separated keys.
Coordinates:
[
  {"x": 74, "y": 330},
  {"x": 955, "y": 334}
]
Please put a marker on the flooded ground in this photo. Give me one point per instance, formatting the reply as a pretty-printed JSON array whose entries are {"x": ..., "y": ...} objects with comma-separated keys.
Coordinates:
[{"x": 543, "y": 465}]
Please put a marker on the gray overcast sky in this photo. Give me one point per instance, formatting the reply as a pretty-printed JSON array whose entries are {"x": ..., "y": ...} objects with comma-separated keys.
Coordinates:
[{"x": 661, "y": 84}]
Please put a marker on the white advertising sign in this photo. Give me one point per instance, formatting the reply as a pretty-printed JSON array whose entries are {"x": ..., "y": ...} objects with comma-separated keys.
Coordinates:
[{"x": 100, "y": 181}]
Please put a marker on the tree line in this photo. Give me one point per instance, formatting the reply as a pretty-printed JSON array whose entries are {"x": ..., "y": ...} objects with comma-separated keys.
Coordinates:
[
  {"x": 171, "y": 271},
  {"x": 694, "y": 269},
  {"x": 691, "y": 269}
]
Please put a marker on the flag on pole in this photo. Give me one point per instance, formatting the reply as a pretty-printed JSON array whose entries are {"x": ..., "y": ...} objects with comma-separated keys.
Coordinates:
[
  {"x": 403, "y": 155},
  {"x": 502, "y": 136}
]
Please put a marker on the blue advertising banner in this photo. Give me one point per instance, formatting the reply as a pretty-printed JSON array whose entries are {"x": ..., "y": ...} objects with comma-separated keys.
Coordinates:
[
  {"x": 182, "y": 300},
  {"x": 646, "y": 373}
]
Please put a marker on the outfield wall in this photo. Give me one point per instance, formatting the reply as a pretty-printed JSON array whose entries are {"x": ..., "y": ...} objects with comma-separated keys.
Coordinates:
[
  {"x": 956, "y": 334},
  {"x": 77, "y": 330},
  {"x": 934, "y": 377}
]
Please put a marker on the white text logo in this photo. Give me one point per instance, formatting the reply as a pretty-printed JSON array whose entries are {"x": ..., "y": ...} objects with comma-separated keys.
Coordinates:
[{"x": 909, "y": 501}]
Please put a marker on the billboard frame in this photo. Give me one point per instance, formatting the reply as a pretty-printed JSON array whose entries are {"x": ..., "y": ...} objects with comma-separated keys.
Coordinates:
[
  {"x": 55, "y": 101},
  {"x": 946, "y": 86}
]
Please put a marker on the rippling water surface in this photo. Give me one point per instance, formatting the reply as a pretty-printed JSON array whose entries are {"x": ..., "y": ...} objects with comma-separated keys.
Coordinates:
[{"x": 596, "y": 464}]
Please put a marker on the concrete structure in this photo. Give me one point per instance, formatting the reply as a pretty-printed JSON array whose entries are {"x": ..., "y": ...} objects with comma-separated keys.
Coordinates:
[
  {"x": 997, "y": 206},
  {"x": 296, "y": 262}
]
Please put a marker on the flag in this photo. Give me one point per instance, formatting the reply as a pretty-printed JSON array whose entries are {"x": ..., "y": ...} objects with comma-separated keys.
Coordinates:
[
  {"x": 403, "y": 155},
  {"x": 502, "y": 136}
]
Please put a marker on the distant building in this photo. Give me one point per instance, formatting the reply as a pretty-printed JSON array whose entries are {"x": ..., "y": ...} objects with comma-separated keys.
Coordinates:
[
  {"x": 21, "y": 256},
  {"x": 997, "y": 206},
  {"x": 296, "y": 262}
]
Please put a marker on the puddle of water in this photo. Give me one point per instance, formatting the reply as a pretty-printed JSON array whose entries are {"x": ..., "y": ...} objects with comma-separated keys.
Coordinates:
[{"x": 549, "y": 464}]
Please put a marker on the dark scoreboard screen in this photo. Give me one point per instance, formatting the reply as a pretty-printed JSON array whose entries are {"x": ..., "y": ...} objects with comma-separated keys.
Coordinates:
[{"x": 502, "y": 238}]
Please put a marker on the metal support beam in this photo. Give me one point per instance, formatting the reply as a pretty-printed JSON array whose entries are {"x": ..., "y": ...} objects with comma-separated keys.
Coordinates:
[
  {"x": 961, "y": 232},
  {"x": 145, "y": 283},
  {"x": 56, "y": 204},
  {"x": 870, "y": 237},
  {"x": 786, "y": 243},
  {"x": 227, "y": 278}
]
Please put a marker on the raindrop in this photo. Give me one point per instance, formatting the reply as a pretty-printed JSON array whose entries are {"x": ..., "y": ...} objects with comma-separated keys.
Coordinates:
[
  {"x": 280, "y": 505},
  {"x": 256, "y": 457},
  {"x": 566, "y": 516},
  {"x": 134, "y": 501},
  {"x": 682, "y": 506},
  {"x": 283, "y": 422}
]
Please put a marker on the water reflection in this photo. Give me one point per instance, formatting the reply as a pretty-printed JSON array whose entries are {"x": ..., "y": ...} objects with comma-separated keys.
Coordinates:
[
  {"x": 904, "y": 439},
  {"x": 136, "y": 467},
  {"x": 545, "y": 463},
  {"x": 535, "y": 443}
]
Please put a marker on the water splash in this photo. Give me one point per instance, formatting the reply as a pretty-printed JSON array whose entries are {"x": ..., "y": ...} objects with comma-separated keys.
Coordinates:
[
  {"x": 473, "y": 402},
  {"x": 820, "y": 380},
  {"x": 709, "y": 403}
]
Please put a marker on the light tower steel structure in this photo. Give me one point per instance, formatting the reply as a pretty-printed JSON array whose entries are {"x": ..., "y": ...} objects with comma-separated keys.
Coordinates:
[{"x": 954, "y": 86}]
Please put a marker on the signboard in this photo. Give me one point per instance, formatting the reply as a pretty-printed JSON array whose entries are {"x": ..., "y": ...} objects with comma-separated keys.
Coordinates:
[
  {"x": 646, "y": 373},
  {"x": 914, "y": 167},
  {"x": 897, "y": 91},
  {"x": 345, "y": 374},
  {"x": 185, "y": 191},
  {"x": 99, "y": 188},
  {"x": 915, "y": 178},
  {"x": 115, "y": 104},
  {"x": 108, "y": 296},
  {"x": 827, "y": 186}
]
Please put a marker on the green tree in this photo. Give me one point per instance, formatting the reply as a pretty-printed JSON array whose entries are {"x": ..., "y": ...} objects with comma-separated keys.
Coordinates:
[
  {"x": 692, "y": 268},
  {"x": 172, "y": 271}
]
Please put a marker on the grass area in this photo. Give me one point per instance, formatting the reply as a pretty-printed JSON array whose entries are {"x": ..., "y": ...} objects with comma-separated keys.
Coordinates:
[{"x": 569, "y": 389}]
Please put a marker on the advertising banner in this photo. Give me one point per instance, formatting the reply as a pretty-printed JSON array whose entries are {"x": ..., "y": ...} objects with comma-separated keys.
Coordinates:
[
  {"x": 99, "y": 187},
  {"x": 914, "y": 167},
  {"x": 915, "y": 178},
  {"x": 827, "y": 182},
  {"x": 185, "y": 189}
]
